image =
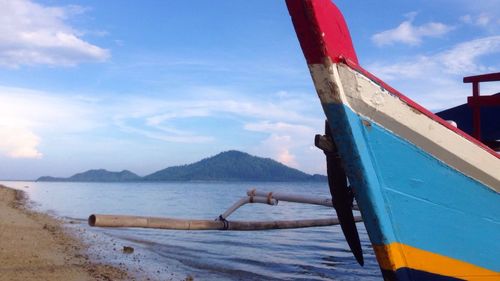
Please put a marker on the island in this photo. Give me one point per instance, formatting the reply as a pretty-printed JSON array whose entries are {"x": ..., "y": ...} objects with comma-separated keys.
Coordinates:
[{"x": 230, "y": 165}]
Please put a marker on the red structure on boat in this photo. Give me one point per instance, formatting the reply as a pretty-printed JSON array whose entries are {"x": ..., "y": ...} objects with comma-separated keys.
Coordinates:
[
  {"x": 480, "y": 116},
  {"x": 476, "y": 101}
]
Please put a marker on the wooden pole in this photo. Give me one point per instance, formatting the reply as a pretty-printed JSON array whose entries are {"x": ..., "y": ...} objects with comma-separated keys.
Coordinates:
[
  {"x": 476, "y": 112},
  {"x": 186, "y": 224},
  {"x": 247, "y": 200},
  {"x": 296, "y": 198}
]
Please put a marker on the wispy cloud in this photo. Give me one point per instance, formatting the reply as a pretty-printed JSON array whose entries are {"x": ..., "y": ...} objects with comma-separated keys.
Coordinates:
[
  {"x": 283, "y": 139},
  {"x": 24, "y": 114},
  {"x": 487, "y": 21},
  {"x": 434, "y": 79},
  {"x": 18, "y": 142},
  {"x": 410, "y": 34},
  {"x": 162, "y": 133},
  {"x": 462, "y": 58},
  {"x": 286, "y": 121},
  {"x": 159, "y": 118},
  {"x": 32, "y": 34}
]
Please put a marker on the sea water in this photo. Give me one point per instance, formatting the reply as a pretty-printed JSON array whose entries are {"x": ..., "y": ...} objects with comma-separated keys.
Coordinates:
[{"x": 319, "y": 253}]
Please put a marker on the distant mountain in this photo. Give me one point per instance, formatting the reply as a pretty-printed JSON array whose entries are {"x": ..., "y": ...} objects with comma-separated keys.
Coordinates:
[
  {"x": 99, "y": 175},
  {"x": 233, "y": 166},
  {"x": 226, "y": 166}
]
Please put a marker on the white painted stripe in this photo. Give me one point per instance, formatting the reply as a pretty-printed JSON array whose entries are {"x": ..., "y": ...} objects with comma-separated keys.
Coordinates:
[{"x": 338, "y": 83}]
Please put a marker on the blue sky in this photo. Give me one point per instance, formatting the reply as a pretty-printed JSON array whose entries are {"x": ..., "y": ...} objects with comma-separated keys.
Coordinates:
[{"x": 143, "y": 85}]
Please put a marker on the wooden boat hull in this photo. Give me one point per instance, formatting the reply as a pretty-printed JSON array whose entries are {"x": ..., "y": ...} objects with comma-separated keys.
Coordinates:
[
  {"x": 428, "y": 193},
  {"x": 423, "y": 217}
]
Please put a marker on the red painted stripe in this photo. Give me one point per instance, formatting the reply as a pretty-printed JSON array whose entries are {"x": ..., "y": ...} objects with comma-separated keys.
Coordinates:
[
  {"x": 323, "y": 33},
  {"x": 322, "y": 30}
]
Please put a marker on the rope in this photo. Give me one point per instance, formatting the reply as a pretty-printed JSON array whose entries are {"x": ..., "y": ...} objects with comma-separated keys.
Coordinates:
[
  {"x": 251, "y": 194},
  {"x": 225, "y": 223},
  {"x": 269, "y": 198}
]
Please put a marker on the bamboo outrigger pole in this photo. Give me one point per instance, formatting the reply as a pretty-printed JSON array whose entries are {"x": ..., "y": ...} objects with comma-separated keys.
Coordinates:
[
  {"x": 297, "y": 198},
  {"x": 186, "y": 224},
  {"x": 220, "y": 223}
]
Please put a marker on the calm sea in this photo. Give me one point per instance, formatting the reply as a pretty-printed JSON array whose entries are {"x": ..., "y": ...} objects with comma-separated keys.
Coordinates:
[{"x": 299, "y": 254}]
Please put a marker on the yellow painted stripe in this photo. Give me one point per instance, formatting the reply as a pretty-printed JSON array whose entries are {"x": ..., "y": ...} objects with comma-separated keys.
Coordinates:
[{"x": 397, "y": 255}]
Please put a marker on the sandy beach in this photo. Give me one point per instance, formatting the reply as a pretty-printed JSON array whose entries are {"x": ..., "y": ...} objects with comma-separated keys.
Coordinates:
[{"x": 35, "y": 246}]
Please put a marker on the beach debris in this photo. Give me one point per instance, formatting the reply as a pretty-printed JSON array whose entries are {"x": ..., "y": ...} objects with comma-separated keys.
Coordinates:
[
  {"x": 52, "y": 229},
  {"x": 128, "y": 250}
]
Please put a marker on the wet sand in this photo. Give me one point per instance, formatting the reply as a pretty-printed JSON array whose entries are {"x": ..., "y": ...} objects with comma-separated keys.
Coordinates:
[{"x": 35, "y": 246}]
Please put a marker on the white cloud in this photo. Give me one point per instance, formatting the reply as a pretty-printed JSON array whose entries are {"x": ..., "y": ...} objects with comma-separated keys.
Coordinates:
[
  {"x": 46, "y": 111},
  {"x": 463, "y": 57},
  {"x": 409, "y": 34},
  {"x": 460, "y": 59},
  {"x": 288, "y": 122},
  {"x": 18, "y": 142},
  {"x": 33, "y": 34},
  {"x": 284, "y": 139},
  {"x": 280, "y": 149},
  {"x": 25, "y": 113},
  {"x": 33, "y": 120},
  {"x": 435, "y": 80},
  {"x": 158, "y": 118},
  {"x": 481, "y": 20}
]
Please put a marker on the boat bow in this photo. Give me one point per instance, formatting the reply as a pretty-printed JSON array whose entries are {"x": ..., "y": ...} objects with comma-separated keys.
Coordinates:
[{"x": 428, "y": 192}]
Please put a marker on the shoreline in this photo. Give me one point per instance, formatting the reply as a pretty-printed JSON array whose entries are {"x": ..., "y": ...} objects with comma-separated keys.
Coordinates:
[{"x": 36, "y": 246}]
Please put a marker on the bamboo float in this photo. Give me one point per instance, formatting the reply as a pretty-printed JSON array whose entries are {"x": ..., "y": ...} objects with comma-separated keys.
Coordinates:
[
  {"x": 180, "y": 224},
  {"x": 220, "y": 223},
  {"x": 296, "y": 198}
]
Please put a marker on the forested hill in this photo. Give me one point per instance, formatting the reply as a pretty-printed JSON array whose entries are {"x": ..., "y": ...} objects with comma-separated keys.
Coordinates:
[
  {"x": 233, "y": 166},
  {"x": 98, "y": 175}
]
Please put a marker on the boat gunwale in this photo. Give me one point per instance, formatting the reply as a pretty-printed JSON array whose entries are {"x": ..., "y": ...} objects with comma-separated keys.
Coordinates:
[
  {"x": 463, "y": 161},
  {"x": 415, "y": 105}
]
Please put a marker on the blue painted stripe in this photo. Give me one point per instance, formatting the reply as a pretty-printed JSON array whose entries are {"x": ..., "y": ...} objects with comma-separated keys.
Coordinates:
[
  {"x": 404, "y": 274},
  {"x": 347, "y": 132},
  {"x": 408, "y": 196}
]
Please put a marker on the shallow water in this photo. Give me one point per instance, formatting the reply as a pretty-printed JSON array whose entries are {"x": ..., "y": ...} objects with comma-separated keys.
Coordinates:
[{"x": 298, "y": 254}]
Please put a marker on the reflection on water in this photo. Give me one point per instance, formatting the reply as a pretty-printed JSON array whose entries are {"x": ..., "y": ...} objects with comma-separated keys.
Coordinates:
[{"x": 295, "y": 254}]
